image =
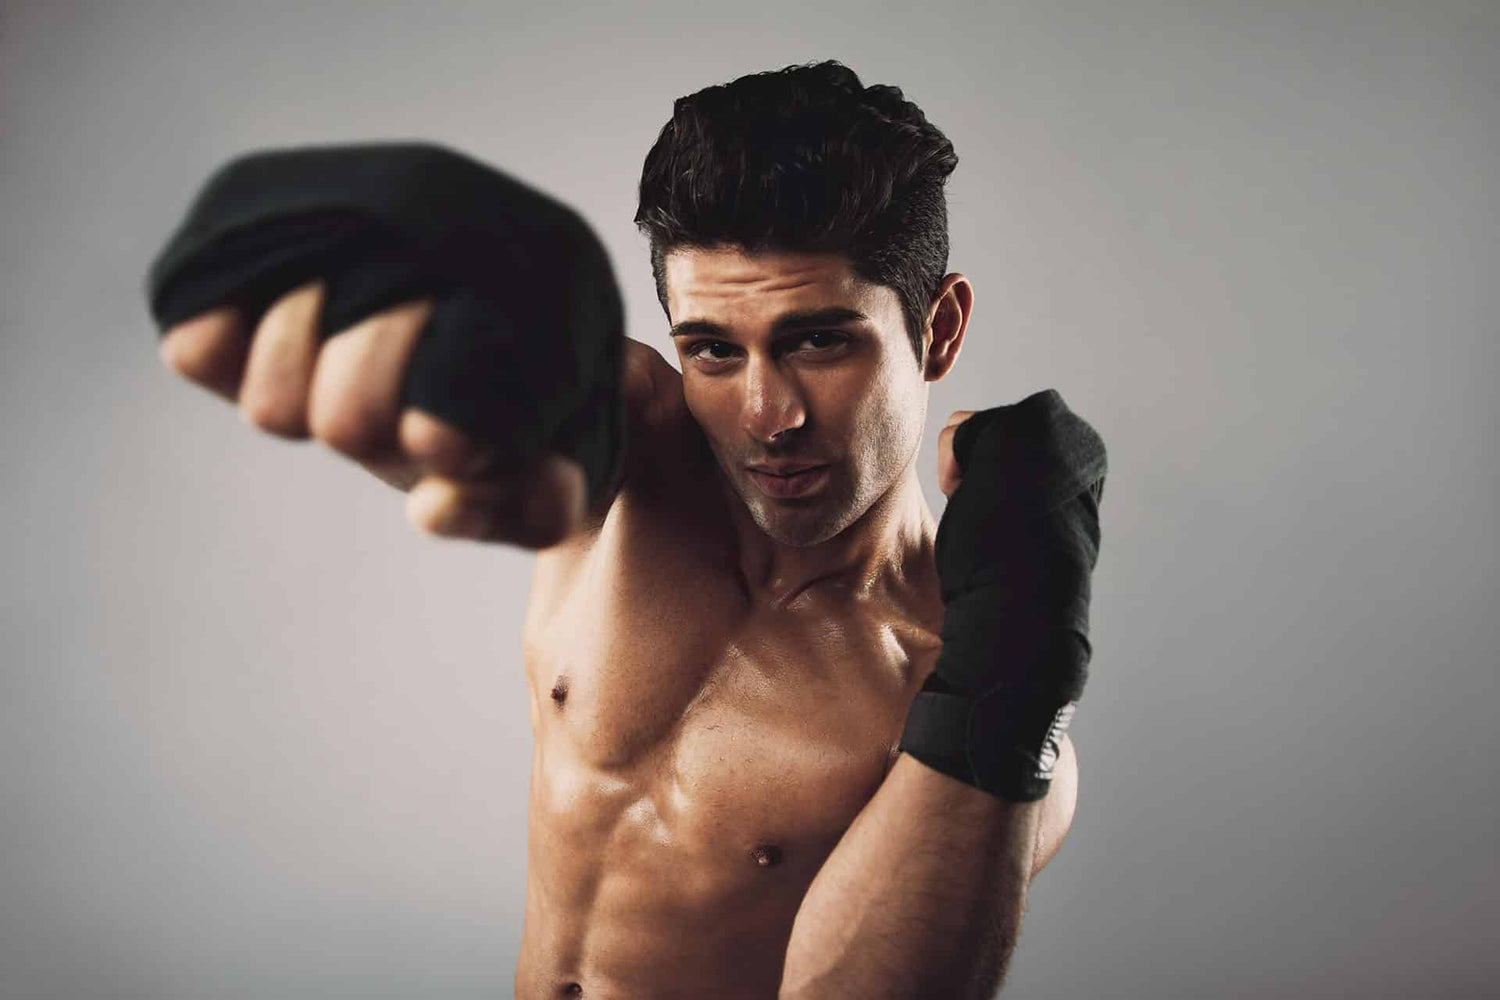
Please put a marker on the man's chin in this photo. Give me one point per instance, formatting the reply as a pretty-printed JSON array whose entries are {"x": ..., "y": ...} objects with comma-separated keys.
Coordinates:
[
  {"x": 794, "y": 523},
  {"x": 796, "y": 528}
]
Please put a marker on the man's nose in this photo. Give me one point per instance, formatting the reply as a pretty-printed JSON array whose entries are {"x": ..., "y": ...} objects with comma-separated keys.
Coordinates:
[{"x": 773, "y": 402}]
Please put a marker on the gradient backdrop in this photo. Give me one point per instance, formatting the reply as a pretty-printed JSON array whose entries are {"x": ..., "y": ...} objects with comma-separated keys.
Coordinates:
[{"x": 260, "y": 738}]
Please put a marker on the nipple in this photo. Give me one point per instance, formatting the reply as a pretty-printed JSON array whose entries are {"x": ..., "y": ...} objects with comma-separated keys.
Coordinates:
[
  {"x": 766, "y": 855},
  {"x": 560, "y": 691}
]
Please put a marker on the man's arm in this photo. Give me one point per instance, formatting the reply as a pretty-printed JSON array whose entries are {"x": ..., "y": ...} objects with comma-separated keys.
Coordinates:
[
  {"x": 655, "y": 417},
  {"x": 923, "y": 896},
  {"x": 657, "y": 426}
]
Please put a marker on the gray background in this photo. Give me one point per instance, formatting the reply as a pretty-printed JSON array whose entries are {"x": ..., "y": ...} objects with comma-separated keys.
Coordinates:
[{"x": 258, "y": 737}]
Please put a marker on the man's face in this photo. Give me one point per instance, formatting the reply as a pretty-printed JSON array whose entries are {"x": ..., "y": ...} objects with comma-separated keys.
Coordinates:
[{"x": 790, "y": 359}]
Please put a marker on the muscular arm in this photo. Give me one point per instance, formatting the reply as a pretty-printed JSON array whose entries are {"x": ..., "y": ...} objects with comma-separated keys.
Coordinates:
[{"x": 923, "y": 896}]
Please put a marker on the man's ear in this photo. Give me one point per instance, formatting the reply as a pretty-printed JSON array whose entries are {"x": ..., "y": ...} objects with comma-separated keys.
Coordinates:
[{"x": 947, "y": 319}]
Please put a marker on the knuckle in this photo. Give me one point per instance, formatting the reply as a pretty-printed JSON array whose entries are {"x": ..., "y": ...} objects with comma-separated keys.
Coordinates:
[
  {"x": 183, "y": 353},
  {"x": 426, "y": 503},
  {"x": 535, "y": 510},
  {"x": 347, "y": 422},
  {"x": 274, "y": 416},
  {"x": 429, "y": 522},
  {"x": 352, "y": 432},
  {"x": 194, "y": 353},
  {"x": 436, "y": 443},
  {"x": 440, "y": 506},
  {"x": 426, "y": 435}
]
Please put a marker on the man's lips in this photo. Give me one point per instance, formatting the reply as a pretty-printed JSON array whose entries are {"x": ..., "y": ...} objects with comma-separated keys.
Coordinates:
[
  {"x": 805, "y": 480},
  {"x": 784, "y": 470}
]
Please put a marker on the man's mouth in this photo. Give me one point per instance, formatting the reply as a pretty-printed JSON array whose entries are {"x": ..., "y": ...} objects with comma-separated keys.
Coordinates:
[
  {"x": 784, "y": 468},
  {"x": 800, "y": 480}
]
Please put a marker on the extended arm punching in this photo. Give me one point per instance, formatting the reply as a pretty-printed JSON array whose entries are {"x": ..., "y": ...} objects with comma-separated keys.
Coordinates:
[{"x": 521, "y": 325}]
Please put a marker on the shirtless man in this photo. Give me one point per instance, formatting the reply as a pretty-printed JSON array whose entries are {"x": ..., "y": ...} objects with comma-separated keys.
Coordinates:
[{"x": 721, "y": 655}]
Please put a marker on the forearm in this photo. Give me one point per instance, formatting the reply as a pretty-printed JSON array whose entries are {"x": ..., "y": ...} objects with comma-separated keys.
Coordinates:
[{"x": 922, "y": 897}]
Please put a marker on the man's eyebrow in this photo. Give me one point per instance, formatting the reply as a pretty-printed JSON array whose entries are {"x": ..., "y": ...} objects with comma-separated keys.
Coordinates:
[{"x": 785, "y": 323}]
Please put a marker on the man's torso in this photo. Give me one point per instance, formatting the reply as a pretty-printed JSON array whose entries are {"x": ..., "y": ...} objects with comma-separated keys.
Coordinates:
[{"x": 698, "y": 755}]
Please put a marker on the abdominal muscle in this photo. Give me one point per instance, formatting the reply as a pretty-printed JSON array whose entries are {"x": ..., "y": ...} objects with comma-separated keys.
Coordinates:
[{"x": 626, "y": 899}]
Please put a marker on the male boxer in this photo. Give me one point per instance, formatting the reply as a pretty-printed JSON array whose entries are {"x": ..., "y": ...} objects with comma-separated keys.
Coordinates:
[{"x": 742, "y": 609}]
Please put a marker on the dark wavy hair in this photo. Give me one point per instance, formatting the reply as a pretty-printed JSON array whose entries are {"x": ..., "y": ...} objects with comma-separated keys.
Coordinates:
[{"x": 805, "y": 159}]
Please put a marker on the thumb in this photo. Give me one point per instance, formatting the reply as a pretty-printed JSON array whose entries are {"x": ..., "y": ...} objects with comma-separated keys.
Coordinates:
[{"x": 535, "y": 509}]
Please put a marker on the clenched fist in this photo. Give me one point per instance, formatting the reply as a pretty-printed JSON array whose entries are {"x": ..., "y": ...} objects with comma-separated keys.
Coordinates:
[
  {"x": 1015, "y": 551},
  {"x": 345, "y": 392},
  {"x": 454, "y": 331}
]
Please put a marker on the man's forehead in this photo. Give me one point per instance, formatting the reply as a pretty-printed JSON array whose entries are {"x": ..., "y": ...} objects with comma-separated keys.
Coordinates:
[{"x": 723, "y": 283}]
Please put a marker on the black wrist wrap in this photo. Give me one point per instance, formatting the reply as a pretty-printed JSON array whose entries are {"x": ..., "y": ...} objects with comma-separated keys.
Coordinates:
[
  {"x": 1015, "y": 549},
  {"x": 523, "y": 346}
]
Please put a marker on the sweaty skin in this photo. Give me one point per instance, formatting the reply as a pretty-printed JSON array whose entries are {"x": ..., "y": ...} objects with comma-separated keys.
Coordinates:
[{"x": 718, "y": 677}]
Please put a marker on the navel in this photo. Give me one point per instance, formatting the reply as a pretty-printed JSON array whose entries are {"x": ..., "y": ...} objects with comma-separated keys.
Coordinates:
[
  {"x": 766, "y": 855},
  {"x": 560, "y": 691},
  {"x": 572, "y": 990}
]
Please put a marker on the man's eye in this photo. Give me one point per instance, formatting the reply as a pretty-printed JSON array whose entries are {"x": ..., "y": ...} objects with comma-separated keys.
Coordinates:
[
  {"x": 696, "y": 351},
  {"x": 829, "y": 339},
  {"x": 821, "y": 340}
]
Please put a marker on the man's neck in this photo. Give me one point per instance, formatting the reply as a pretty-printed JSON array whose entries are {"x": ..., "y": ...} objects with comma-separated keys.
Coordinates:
[{"x": 889, "y": 549}]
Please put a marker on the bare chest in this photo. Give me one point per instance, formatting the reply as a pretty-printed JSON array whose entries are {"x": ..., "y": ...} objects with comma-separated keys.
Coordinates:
[
  {"x": 654, "y": 679},
  {"x": 696, "y": 761},
  {"x": 662, "y": 685}
]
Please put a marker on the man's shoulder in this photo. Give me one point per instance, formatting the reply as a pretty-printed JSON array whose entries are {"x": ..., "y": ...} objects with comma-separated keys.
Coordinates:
[
  {"x": 666, "y": 453},
  {"x": 652, "y": 387},
  {"x": 667, "y": 465}
]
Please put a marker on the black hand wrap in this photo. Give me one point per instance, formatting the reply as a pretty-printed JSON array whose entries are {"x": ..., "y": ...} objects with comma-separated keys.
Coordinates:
[
  {"x": 1015, "y": 548},
  {"x": 523, "y": 346}
]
